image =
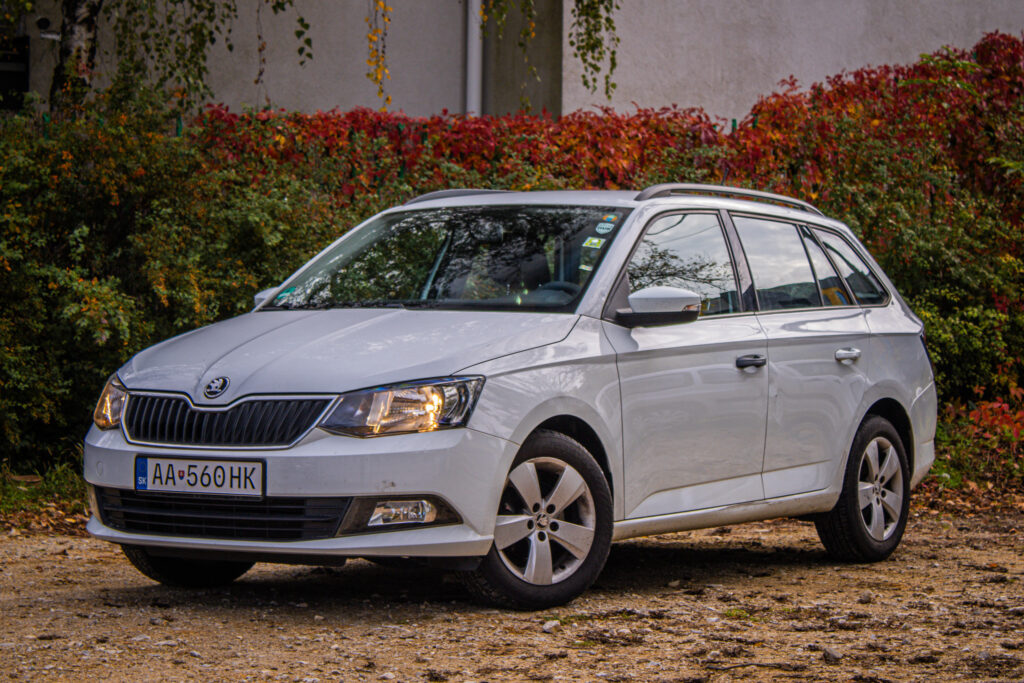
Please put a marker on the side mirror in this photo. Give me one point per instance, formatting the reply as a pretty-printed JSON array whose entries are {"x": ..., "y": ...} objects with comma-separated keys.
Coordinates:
[
  {"x": 660, "y": 306},
  {"x": 262, "y": 296}
]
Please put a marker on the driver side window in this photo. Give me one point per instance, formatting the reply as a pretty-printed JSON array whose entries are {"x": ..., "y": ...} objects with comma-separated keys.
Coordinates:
[{"x": 687, "y": 251}]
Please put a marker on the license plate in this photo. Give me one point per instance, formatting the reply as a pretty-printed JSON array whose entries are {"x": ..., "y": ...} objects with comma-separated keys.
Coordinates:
[{"x": 234, "y": 477}]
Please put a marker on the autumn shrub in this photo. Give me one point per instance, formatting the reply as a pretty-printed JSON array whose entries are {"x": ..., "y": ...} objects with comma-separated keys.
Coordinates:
[
  {"x": 118, "y": 231},
  {"x": 983, "y": 442}
]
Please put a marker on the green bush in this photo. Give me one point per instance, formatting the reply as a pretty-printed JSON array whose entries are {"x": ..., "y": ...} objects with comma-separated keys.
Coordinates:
[{"x": 116, "y": 233}]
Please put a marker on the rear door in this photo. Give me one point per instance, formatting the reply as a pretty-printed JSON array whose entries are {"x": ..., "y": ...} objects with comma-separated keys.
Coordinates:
[{"x": 817, "y": 335}]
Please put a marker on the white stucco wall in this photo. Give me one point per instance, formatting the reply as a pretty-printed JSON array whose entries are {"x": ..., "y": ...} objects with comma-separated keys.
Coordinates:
[
  {"x": 717, "y": 54},
  {"x": 425, "y": 54},
  {"x": 723, "y": 54}
]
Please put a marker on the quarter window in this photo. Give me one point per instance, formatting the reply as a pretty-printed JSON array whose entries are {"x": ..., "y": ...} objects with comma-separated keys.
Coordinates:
[
  {"x": 833, "y": 293},
  {"x": 687, "y": 251},
  {"x": 858, "y": 276},
  {"x": 778, "y": 263}
]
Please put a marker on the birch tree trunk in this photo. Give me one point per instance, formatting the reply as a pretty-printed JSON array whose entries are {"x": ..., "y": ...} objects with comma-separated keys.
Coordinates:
[{"x": 72, "y": 78}]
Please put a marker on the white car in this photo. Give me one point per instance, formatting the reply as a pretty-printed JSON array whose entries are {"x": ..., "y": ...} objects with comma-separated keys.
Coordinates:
[{"x": 504, "y": 383}]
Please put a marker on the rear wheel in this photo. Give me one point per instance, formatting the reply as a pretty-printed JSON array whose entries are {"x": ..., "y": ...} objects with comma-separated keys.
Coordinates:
[
  {"x": 868, "y": 521},
  {"x": 553, "y": 528},
  {"x": 184, "y": 572}
]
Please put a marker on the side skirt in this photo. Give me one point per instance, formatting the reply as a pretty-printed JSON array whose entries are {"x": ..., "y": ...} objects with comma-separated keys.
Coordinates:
[{"x": 787, "y": 506}]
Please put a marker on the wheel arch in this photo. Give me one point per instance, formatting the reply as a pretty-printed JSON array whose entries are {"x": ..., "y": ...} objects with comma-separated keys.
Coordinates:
[
  {"x": 893, "y": 411},
  {"x": 576, "y": 428}
]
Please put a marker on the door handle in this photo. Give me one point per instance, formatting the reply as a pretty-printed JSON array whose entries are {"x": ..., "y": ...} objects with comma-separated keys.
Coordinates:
[
  {"x": 753, "y": 360},
  {"x": 847, "y": 355}
]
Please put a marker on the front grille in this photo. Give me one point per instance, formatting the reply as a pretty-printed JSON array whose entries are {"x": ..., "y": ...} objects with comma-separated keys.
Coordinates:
[
  {"x": 214, "y": 516},
  {"x": 260, "y": 422}
]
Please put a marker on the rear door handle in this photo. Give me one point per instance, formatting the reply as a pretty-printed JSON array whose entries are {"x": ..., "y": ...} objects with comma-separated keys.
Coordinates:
[
  {"x": 753, "y": 360},
  {"x": 847, "y": 355}
]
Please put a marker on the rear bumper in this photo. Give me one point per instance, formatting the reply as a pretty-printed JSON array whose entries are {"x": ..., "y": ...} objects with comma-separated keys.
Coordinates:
[{"x": 923, "y": 415}]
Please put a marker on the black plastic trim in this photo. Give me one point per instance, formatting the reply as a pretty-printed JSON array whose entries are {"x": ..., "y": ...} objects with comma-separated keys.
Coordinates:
[
  {"x": 752, "y": 360},
  {"x": 741, "y": 268},
  {"x": 628, "y": 318}
]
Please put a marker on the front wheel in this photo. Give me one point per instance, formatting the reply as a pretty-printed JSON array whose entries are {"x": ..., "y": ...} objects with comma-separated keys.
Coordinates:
[
  {"x": 553, "y": 528},
  {"x": 868, "y": 521},
  {"x": 183, "y": 572}
]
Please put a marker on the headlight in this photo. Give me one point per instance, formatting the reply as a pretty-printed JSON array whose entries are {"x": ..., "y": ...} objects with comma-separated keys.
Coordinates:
[
  {"x": 108, "y": 411},
  {"x": 403, "y": 408}
]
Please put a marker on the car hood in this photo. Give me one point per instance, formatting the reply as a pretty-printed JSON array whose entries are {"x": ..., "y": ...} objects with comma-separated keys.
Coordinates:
[{"x": 331, "y": 351}]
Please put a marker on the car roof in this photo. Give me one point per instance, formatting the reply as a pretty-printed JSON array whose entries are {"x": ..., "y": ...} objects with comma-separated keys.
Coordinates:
[{"x": 692, "y": 196}]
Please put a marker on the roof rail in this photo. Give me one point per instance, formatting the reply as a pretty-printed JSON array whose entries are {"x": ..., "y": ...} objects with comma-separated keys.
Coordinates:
[
  {"x": 670, "y": 189},
  {"x": 441, "y": 194}
]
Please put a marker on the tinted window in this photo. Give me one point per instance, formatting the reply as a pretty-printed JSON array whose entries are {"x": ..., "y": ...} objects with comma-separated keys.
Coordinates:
[
  {"x": 778, "y": 262},
  {"x": 687, "y": 251},
  {"x": 858, "y": 276},
  {"x": 500, "y": 257},
  {"x": 832, "y": 290}
]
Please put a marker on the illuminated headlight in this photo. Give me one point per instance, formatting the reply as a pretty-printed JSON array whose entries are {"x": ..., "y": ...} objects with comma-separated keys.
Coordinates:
[
  {"x": 403, "y": 408},
  {"x": 108, "y": 410}
]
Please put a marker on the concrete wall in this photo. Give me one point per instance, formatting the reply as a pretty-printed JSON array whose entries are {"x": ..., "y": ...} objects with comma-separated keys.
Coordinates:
[
  {"x": 717, "y": 54},
  {"x": 425, "y": 53},
  {"x": 507, "y": 76},
  {"x": 723, "y": 54}
]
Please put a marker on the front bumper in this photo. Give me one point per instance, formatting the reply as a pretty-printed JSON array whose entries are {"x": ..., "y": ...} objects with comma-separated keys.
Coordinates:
[{"x": 463, "y": 467}]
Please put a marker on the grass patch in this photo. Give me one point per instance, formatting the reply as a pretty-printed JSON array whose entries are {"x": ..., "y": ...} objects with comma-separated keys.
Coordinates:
[{"x": 736, "y": 613}]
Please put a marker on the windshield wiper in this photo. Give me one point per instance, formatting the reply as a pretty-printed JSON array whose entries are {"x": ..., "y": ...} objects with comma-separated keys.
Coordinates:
[
  {"x": 425, "y": 303},
  {"x": 372, "y": 303}
]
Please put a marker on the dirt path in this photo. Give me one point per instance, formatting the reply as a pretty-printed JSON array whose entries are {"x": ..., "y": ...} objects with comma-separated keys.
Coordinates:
[{"x": 757, "y": 601}]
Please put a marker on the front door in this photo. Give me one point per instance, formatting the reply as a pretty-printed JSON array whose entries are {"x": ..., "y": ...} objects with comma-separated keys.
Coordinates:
[{"x": 693, "y": 422}]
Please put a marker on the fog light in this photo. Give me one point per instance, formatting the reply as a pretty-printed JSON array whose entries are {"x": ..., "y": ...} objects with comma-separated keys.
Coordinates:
[{"x": 402, "y": 512}]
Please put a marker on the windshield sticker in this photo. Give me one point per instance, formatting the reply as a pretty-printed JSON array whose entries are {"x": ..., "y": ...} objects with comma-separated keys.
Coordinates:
[
  {"x": 584, "y": 266},
  {"x": 610, "y": 218},
  {"x": 594, "y": 242},
  {"x": 604, "y": 228},
  {"x": 284, "y": 293}
]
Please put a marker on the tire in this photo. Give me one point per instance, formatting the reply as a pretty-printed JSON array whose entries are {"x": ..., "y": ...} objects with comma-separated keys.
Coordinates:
[
  {"x": 868, "y": 521},
  {"x": 184, "y": 573},
  {"x": 553, "y": 530}
]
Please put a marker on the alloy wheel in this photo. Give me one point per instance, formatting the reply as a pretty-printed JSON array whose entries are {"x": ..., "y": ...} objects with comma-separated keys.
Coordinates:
[
  {"x": 546, "y": 521},
  {"x": 880, "y": 488}
]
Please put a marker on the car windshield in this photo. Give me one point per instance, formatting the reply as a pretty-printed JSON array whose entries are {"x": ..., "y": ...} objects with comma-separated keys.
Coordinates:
[{"x": 500, "y": 257}]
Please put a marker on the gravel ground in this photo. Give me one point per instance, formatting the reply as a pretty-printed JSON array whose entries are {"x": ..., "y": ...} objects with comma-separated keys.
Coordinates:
[{"x": 757, "y": 601}]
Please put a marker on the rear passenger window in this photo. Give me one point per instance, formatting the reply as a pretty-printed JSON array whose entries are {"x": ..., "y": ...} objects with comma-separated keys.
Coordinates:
[
  {"x": 687, "y": 251},
  {"x": 778, "y": 262},
  {"x": 832, "y": 290},
  {"x": 858, "y": 276}
]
